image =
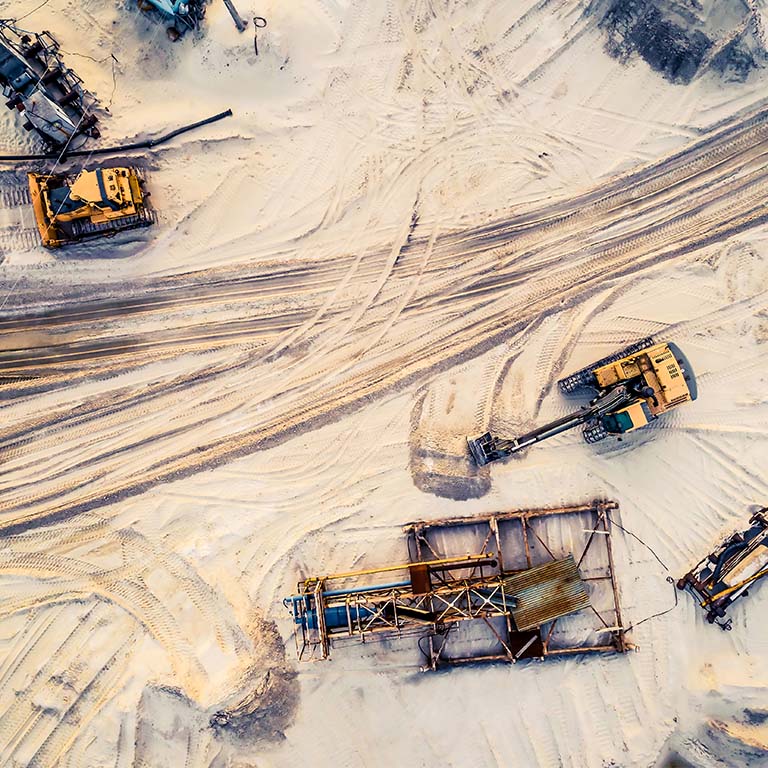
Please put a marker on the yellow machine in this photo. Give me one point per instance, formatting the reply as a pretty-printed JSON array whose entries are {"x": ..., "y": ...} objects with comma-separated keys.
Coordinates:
[
  {"x": 634, "y": 387},
  {"x": 94, "y": 203},
  {"x": 666, "y": 383}
]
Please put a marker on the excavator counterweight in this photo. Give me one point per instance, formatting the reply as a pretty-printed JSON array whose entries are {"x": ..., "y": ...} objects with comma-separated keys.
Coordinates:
[{"x": 633, "y": 386}]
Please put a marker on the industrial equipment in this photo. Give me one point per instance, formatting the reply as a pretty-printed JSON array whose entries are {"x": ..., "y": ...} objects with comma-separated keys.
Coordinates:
[
  {"x": 184, "y": 14},
  {"x": 729, "y": 572},
  {"x": 38, "y": 84},
  {"x": 90, "y": 204},
  {"x": 634, "y": 387},
  {"x": 508, "y": 601}
]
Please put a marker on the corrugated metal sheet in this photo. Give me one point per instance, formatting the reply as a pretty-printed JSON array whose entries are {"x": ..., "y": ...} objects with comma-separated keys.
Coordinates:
[{"x": 546, "y": 592}]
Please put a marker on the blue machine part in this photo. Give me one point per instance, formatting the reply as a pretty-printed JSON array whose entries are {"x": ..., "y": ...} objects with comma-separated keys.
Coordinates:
[
  {"x": 172, "y": 7},
  {"x": 335, "y": 616}
]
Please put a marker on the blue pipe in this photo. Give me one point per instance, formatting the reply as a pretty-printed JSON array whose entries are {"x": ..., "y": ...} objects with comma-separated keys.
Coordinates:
[{"x": 354, "y": 590}]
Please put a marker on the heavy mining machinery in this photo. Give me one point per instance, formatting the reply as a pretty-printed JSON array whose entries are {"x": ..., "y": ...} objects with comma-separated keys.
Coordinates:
[
  {"x": 634, "y": 387},
  {"x": 727, "y": 573},
  {"x": 37, "y": 83},
  {"x": 69, "y": 208},
  {"x": 184, "y": 14}
]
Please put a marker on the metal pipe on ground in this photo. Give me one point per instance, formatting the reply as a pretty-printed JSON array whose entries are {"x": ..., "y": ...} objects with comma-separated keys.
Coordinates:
[
  {"x": 146, "y": 144},
  {"x": 240, "y": 22}
]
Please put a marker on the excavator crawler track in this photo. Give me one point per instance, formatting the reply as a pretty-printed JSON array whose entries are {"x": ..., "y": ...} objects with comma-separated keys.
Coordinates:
[
  {"x": 594, "y": 433},
  {"x": 82, "y": 229}
]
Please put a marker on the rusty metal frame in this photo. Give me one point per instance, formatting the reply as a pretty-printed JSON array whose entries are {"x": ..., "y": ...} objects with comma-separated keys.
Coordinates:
[
  {"x": 417, "y": 535},
  {"x": 384, "y": 611}
]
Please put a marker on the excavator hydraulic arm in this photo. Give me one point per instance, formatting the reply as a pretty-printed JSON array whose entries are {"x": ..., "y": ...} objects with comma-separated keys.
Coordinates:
[{"x": 488, "y": 447}]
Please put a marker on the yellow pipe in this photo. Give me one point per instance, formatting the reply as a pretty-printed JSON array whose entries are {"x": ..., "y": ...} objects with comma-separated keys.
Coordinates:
[
  {"x": 466, "y": 558},
  {"x": 728, "y": 591}
]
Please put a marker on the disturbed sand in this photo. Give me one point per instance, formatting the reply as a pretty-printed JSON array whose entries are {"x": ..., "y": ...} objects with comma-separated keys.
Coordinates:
[{"x": 420, "y": 216}]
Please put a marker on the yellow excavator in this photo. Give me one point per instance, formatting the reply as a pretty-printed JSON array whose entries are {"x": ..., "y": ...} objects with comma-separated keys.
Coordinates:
[
  {"x": 634, "y": 387},
  {"x": 94, "y": 203}
]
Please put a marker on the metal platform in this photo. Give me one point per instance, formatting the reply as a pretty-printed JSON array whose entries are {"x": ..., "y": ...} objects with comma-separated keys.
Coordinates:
[{"x": 526, "y": 592}]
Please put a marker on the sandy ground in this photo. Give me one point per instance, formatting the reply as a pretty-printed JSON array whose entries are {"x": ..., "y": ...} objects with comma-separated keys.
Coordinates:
[{"x": 420, "y": 216}]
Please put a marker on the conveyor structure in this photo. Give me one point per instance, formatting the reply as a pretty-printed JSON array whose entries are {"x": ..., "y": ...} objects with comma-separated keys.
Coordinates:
[{"x": 513, "y": 588}]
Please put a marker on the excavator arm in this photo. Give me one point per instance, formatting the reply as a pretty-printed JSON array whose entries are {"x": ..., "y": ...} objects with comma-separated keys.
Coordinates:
[{"x": 488, "y": 447}]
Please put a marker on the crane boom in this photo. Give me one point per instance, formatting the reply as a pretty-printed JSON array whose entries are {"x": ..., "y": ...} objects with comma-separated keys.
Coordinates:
[{"x": 487, "y": 447}]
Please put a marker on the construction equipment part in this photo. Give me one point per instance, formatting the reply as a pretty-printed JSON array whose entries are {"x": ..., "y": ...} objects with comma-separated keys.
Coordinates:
[
  {"x": 101, "y": 202},
  {"x": 511, "y": 612},
  {"x": 38, "y": 84},
  {"x": 727, "y": 573},
  {"x": 130, "y": 147},
  {"x": 185, "y": 14},
  {"x": 634, "y": 387},
  {"x": 240, "y": 22}
]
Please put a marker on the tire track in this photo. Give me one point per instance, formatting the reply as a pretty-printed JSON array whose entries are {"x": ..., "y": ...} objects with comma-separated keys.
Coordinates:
[{"x": 435, "y": 327}]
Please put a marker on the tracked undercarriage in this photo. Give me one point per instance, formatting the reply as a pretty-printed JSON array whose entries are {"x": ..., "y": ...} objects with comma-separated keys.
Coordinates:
[
  {"x": 102, "y": 202},
  {"x": 48, "y": 95}
]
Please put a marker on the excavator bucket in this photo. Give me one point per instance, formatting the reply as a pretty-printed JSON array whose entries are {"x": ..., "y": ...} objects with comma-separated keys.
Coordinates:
[{"x": 482, "y": 449}]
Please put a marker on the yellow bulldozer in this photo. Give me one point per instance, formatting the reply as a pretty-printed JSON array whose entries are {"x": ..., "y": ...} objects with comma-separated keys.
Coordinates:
[
  {"x": 634, "y": 387},
  {"x": 94, "y": 203}
]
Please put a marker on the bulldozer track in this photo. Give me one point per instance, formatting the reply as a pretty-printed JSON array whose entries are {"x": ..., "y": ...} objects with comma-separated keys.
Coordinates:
[{"x": 504, "y": 277}]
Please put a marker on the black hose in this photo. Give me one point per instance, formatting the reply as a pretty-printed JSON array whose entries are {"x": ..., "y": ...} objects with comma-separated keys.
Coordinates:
[
  {"x": 726, "y": 553},
  {"x": 148, "y": 144}
]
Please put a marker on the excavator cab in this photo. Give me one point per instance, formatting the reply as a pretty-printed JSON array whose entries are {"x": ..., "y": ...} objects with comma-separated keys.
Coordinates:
[
  {"x": 634, "y": 387},
  {"x": 628, "y": 419}
]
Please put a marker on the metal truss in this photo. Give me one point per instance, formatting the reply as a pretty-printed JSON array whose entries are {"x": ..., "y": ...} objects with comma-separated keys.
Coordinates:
[{"x": 461, "y": 589}]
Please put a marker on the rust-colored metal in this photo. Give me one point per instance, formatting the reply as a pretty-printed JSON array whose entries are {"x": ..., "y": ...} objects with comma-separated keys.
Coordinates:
[
  {"x": 524, "y": 527},
  {"x": 520, "y": 608},
  {"x": 508, "y": 515},
  {"x": 603, "y": 518},
  {"x": 420, "y": 581},
  {"x": 493, "y": 524},
  {"x": 546, "y": 592}
]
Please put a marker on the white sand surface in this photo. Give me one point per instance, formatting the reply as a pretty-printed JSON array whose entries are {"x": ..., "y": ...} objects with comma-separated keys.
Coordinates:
[{"x": 421, "y": 214}]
